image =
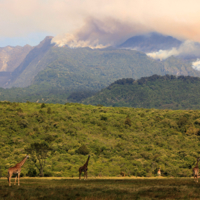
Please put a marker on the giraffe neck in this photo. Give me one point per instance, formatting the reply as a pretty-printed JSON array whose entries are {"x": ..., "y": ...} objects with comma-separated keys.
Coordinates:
[
  {"x": 22, "y": 162},
  {"x": 197, "y": 163},
  {"x": 86, "y": 164}
]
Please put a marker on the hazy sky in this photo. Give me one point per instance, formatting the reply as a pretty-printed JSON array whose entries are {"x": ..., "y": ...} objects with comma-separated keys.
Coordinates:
[{"x": 96, "y": 22}]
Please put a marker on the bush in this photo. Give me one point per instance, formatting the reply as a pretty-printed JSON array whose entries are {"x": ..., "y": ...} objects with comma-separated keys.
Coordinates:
[
  {"x": 104, "y": 118},
  {"x": 128, "y": 121},
  {"x": 32, "y": 172},
  {"x": 23, "y": 123},
  {"x": 83, "y": 150},
  {"x": 43, "y": 105},
  {"x": 49, "y": 110}
]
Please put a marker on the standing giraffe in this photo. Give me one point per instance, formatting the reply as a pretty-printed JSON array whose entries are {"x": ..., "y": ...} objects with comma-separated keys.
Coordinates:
[
  {"x": 84, "y": 169},
  {"x": 159, "y": 172},
  {"x": 196, "y": 170},
  {"x": 16, "y": 170}
]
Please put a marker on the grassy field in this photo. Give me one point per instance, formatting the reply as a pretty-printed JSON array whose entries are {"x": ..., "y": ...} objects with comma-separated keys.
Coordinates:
[{"x": 96, "y": 189}]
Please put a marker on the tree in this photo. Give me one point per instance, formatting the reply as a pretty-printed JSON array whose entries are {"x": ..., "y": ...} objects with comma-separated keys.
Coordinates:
[{"x": 38, "y": 154}]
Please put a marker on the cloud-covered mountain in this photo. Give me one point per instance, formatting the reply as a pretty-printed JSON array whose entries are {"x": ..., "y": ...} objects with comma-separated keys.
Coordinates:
[
  {"x": 92, "y": 69},
  {"x": 151, "y": 42}
]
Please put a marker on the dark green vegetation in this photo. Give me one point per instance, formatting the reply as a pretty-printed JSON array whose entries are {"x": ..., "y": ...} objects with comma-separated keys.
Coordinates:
[
  {"x": 162, "y": 92},
  {"x": 130, "y": 140},
  {"x": 101, "y": 189}
]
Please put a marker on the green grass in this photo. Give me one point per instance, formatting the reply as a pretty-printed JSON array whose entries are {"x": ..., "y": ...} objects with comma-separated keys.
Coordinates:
[
  {"x": 134, "y": 141},
  {"x": 96, "y": 189}
]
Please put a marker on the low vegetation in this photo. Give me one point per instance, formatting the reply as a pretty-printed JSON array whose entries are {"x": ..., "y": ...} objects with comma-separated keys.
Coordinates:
[
  {"x": 101, "y": 189},
  {"x": 134, "y": 141}
]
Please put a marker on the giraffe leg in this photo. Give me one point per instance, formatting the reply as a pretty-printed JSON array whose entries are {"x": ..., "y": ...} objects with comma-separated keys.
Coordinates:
[
  {"x": 80, "y": 175},
  {"x": 10, "y": 176},
  {"x": 197, "y": 178},
  {"x": 15, "y": 180},
  {"x": 18, "y": 178},
  {"x": 86, "y": 174}
]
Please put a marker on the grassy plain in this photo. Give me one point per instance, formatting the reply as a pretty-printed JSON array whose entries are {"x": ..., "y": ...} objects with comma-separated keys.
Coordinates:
[{"x": 96, "y": 189}]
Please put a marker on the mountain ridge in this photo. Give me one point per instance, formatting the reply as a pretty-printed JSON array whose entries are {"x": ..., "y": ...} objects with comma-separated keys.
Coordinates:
[{"x": 161, "y": 92}]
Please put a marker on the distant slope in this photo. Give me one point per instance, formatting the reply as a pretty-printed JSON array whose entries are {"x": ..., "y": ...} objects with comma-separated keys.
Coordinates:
[
  {"x": 33, "y": 63},
  {"x": 151, "y": 92},
  {"x": 84, "y": 68},
  {"x": 62, "y": 82},
  {"x": 11, "y": 57},
  {"x": 151, "y": 42}
]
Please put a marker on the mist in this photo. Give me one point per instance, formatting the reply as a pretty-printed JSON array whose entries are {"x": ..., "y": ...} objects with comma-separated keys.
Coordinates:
[
  {"x": 196, "y": 64},
  {"x": 186, "y": 48}
]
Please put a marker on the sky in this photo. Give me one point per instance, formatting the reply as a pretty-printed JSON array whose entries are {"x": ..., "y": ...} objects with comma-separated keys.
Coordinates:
[{"x": 95, "y": 23}]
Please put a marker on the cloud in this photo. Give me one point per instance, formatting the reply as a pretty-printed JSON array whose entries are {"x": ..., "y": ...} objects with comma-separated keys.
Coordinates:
[
  {"x": 163, "y": 54},
  {"x": 97, "y": 34},
  {"x": 99, "y": 22},
  {"x": 196, "y": 64},
  {"x": 186, "y": 48}
]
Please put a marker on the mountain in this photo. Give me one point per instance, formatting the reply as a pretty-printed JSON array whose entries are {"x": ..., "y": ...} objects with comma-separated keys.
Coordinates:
[
  {"x": 85, "y": 68},
  {"x": 10, "y": 59},
  {"x": 64, "y": 74},
  {"x": 151, "y": 42},
  {"x": 162, "y": 92},
  {"x": 30, "y": 66},
  {"x": 59, "y": 74}
]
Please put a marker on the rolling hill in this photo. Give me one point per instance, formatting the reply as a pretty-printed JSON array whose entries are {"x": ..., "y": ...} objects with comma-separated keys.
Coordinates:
[{"x": 163, "y": 92}]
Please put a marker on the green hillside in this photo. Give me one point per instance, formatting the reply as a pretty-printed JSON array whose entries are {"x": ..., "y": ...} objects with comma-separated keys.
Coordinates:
[
  {"x": 130, "y": 140},
  {"x": 162, "y": 92},
  {"x": 60, "y": 75}
]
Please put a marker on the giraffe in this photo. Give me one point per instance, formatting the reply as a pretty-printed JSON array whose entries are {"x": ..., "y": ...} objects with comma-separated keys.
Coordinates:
[
  {"x": 159, "y": 172},
  {"x": 84, "y": 169},
  {"x": 196, "y": 171},
  {"x": 16, "y": 170}
]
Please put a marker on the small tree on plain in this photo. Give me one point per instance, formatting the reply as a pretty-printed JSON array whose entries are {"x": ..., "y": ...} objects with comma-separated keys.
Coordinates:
[{"x": 38, "y": 154}]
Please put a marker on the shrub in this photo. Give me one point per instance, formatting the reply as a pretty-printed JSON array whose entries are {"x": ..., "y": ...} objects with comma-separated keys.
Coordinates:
[
  {"x": 104, "y": 118},
  {"x": 32, "y": 172},
  {"x": 43, "y": 105},
  {"x": 19, "y": 110},
  {"x": 49, "y": 110},
  {"x": 23, "y": 123},
  {"x": 128, "y": 121},
  {"x": 83, "y": 150}
]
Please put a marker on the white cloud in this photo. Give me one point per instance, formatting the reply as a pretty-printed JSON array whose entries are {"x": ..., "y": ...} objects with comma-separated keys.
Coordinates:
[
  {"x": 163, "y": 54},
  {"x": 187, "y": 48},
  {"x": 196, "y": 64}
]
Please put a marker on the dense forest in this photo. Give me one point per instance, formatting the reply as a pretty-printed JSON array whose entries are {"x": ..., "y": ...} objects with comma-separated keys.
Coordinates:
[
  {"x": 135, "y": 141},
  {"x": 162, "y": 92}
]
